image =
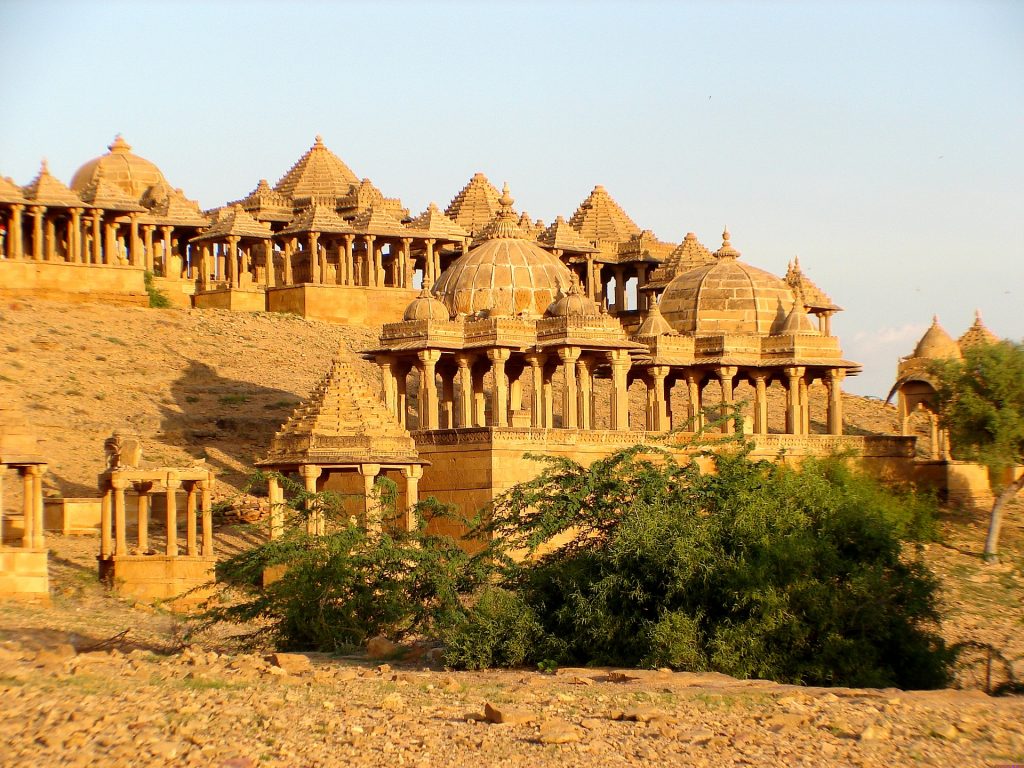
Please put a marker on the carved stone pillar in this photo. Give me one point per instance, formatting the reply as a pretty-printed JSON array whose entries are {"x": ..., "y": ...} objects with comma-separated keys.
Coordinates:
[
  {"x": 412, "y": 475},
  {"x": 536, "y": 362},
  {"x": 142, "y": 516},
  {"x": 499, "y": 393},
  {"x": 387, "y": 375},
  {"x": 793, "y": 377},
  {"x": 835, "y": 401},
  {"x": 620, "y": 289},
  {"x": 37, "y": 231},
  {"x": 465, "y": 363},
  {"x": 268, "y": 263},
  {"x": 370, "y": 265},
  {"x": 372, "y": 512},
  {"x": 75, "y": 236},
  {"x": 694, "y": 407},
  {"x": 447, "y": 399},
  {"x": 349, "y": 270},
  {"x": 620, "y": 364},
  {"x": 314, "y": 258},
  {"x": 401, "y": 395},
  {"x": 586, "y": 391},
  {"x": 147, "y": 231},
  {"x": 760, "y": 380},
  {"x": 726, "y": 375},
  {"x": 805, "y": 407},
  {"x": 171, "y": 484},
  {"x": 658, "y": 416},
  {"x": 15, "y": 248},
  {"x": 570, "y": 396},
  {"x": 428, "y": 388},
  {"x": 275, "y": 499},
  {"x": 97, "y": 237},
  {"x": 191, "y": 546},
  {"x": 135, "y": 254},
  {"x": 315, "y": 523},
  {"x": 206, "y": 507},
  {"x": 28, "y": 533},
  {"x": 106, "y": 514}
]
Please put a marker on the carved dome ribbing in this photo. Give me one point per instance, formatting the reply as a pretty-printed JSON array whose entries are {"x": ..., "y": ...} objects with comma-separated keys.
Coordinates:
[
  {"x": 505, "y": 274},
  {"x": 727, "y": 296}
]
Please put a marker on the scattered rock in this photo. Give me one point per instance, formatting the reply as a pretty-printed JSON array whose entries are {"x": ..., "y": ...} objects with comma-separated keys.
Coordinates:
[
  {"x": 505, "y": 715},
  {"x": 558, "y": 732},
  {"x": 292, "y": 663}
]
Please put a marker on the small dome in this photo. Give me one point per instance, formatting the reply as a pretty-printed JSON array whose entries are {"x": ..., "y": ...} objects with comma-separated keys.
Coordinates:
[
  {"x": 797, "y": 322},
  {"x": 426, "y": 307},
  {"x": 727, "y": 296},
  {"x": 937, "y": 344},
  {"x": 654, "y": 324},
  {"x": 131, "y": 173},
  {"x": 574, "y": 303},
  {"x": 507, "y": 273}
]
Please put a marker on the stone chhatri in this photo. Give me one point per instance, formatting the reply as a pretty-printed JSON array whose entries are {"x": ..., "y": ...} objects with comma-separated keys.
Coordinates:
[{"x": 978, "y": 333}]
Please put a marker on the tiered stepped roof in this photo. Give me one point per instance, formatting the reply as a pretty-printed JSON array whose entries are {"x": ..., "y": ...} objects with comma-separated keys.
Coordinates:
[
  {"x": 689, "y": 254},
  {"x": 809, "y": 294},
  {"x": 235, "y": 222},
  {"x": 599, "y": 217},
  {"x": 563, "y": 237},
  {"x": 318, "y": 172},
  {"x": 47, "y": 190},
  {"x": 978, "y": 333},
  {"x": 434, "y": 221},
  {"x": 343, "y": 423},
  {"x": 475, "y": 206}
]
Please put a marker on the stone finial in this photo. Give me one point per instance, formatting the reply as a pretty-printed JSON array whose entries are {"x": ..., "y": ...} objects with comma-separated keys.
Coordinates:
[
  {"x": 119, "y": 144},
  {"x": 44, "y": 166},
  {"x": 726, "y": 251},
  {"x": 318, "y": 141},
  {"x": 506, "y": 199}
]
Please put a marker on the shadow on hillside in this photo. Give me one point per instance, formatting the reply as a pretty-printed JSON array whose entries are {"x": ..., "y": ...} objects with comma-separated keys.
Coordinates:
[
  {"x": 228, "y": 422},
  {"x": 69, "y": 489}
]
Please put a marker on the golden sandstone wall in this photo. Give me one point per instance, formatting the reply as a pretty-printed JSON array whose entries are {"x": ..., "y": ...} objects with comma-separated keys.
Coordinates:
[
  {"x": 72, "y": 282},
  {"x": 356, "y": 305}
]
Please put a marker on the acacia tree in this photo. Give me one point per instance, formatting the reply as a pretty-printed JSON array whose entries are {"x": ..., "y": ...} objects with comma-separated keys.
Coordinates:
[{"x": 981, "y": 404}]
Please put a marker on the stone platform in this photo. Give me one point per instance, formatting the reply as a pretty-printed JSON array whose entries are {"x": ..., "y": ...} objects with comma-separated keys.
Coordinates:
[
  {"x": 23, "y": 574},
  {"x": 354, "y": 304},
  {"x": 160, "y": 577}
]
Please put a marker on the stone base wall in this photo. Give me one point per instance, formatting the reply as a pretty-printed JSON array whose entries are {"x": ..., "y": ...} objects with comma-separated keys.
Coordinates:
[
  {"x": 469, "y": 468},
  {"x": 967, "y": 485},
  {"x": 72, "y": 517},
  {"x": 178, "y": 292},
  {"x": 160, "y": 577},
  {"x": 355, "y": 305},
  {"x": 234, "y": 299},
  {"x": 24, "y": 574},
  {"x": 72, "y": 282}
]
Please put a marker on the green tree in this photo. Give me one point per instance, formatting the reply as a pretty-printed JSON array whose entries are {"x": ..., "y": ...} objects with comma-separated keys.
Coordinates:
[
  {"x": 981, "y": 404},
  {"x": 755, "y": 570}
]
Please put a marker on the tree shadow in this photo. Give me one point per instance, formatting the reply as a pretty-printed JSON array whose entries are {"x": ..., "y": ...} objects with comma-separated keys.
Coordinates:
[{"x": 227, "y": 422}]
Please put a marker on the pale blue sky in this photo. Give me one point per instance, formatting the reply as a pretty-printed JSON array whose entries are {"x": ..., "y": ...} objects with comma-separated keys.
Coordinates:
[{"x": 883, "y": 143}]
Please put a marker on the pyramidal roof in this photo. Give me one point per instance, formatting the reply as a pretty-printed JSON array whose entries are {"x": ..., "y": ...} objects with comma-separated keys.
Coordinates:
[
  {"x": 978, "y": 333},
  {"x": 689, "y": 254},
  {"x": 235, "y": 222},
  {"x": 599, "y": 217},
  {"x": 10, "y": 192},
  {"x": 810, "y": 294},
  {"x": 318, "y": 172},
  {"x": 437, "y": 223},
  {"x": 44, "y": 189},
  {"x": 172, "y": 206},
  {"x": 377, "y": 221},
  {"x": 317, "y": 217},
  {"x": 475, "y": 206},
  {"x": 562, "y": 236},
  {"x": 343, "y": 423},
  {"x": 103, "y": 193}
]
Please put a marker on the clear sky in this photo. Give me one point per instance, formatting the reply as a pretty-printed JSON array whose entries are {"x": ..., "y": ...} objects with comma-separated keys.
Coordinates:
[{"x": 881, "y": 142}]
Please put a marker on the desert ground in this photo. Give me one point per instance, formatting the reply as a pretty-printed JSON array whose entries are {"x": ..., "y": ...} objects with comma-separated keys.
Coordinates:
[{"x": 95, "y": 678}]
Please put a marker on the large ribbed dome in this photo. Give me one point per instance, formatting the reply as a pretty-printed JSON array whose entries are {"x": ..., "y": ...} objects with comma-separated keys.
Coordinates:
[
  {"x": 727, "y": 296},
  {"x": 132, "y": 174},
  {"x": 506, "y": 274}
]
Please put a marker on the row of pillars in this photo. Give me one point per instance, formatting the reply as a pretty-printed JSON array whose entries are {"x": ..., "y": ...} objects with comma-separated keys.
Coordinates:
[
  {"x": 797, "y": 385},
  {"x": 444, "y": 409},
  {"x": 372, "y": 513},
  {"x": 32, "y": 499},
  {"x": 234, "y": 258},
  {"x": 113, "y": 510},
  {"x": 88, "y": 239},
  {"x": 939, "y": 436}
]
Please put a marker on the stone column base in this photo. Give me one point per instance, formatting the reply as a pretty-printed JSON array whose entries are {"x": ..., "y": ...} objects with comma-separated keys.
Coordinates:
[
  {"x": 24, "y": 574},
  {"x": 183, "y": 580}
]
